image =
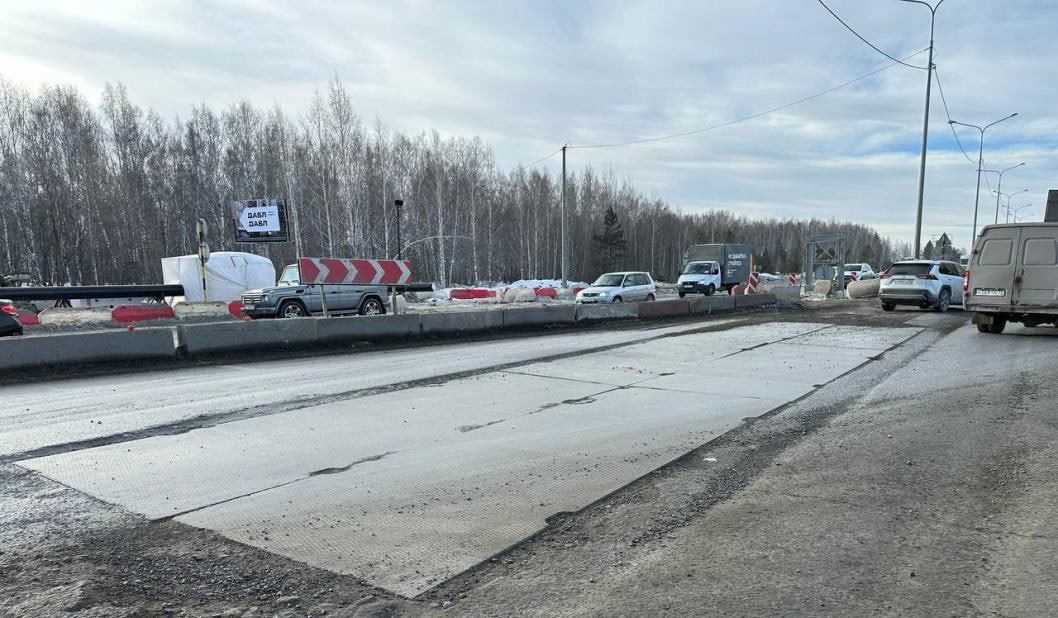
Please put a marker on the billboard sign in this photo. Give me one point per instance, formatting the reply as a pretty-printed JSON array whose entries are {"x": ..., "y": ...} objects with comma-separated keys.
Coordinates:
[{"x": 260, "y": 220}]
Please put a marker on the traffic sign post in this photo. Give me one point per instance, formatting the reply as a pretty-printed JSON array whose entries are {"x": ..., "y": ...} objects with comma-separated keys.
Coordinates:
[{"x": 203, "y": 255}]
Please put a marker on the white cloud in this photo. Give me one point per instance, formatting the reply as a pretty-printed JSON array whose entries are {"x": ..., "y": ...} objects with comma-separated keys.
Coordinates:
[{"x": 528, "y": 75}]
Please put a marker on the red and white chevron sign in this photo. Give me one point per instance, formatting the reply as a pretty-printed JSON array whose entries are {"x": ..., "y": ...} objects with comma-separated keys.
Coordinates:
[{"x": 334, "y": 271}]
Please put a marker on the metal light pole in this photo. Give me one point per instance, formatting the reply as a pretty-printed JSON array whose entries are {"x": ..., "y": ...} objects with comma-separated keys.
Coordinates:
[
  {"x": 925, "y": 124},
  {"x": 1016, "y": 211},
  {"x": 1000, "y": 186},
  {"x": 1009, "y": 196},
  {"x": 562, "y": 225},
  {"x": 980, "y": 163}
]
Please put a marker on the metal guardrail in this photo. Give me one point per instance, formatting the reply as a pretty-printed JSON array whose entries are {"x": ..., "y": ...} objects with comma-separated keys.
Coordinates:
[{"x": 91, "y": 291}]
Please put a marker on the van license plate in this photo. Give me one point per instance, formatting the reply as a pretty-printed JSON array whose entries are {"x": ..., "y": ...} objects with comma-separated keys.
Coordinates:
[
  {"x": 989, "y": 292},
  {"x": 248, "y": 306}
]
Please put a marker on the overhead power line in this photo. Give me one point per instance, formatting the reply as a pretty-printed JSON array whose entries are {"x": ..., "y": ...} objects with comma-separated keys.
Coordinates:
[
  {"x": 542, "y": 159},
  {"x": 947, "y": 113},
  {"x": 869, "y": 44},
  {"x": 749, "y": 117}
]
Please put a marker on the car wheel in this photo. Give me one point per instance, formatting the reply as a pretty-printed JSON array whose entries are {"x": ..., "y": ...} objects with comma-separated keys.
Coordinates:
[
  {"x": 650, "y": 297},
  {"x": 617, "y": 299},
  {"x": 682, "y": 293},
  {"x": 943, "y": 302},
  {"x": 371, "y": 306},
  {"x": 709, "y": 291},
  {"x": 997, "y": 326},
  {"x": 888, "y": 306},
  {"x": 292, "y": 309}
]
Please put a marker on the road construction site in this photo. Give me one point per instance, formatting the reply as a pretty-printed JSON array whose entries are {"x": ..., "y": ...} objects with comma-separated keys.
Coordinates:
[{"x": 826, "y": 461}]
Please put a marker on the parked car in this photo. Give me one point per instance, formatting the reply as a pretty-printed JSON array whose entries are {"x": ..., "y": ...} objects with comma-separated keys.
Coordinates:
[
  {"x": 923, "y": 283},
  {"x": 621, "y": 287},
  {"x": 9, "y": 324},
  {"x": 1013, "y": 276},
  {"x": 290, "y": 299},
  {"x": 862, "y": 271}
]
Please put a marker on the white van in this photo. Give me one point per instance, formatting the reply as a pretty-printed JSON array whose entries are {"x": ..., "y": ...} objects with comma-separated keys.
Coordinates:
[{"x": 1013, "y": 276}]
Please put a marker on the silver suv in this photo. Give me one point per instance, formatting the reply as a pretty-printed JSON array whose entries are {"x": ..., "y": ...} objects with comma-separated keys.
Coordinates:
[{"x": 922, "y": 283}]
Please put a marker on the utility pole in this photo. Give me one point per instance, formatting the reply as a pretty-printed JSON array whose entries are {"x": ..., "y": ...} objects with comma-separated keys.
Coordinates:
[
  {"x": 925, "y": 126},
  {"x": 562, "y": 226}
]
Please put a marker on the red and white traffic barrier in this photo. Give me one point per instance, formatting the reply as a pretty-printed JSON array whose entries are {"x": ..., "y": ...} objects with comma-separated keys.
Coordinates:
[
  {"x": 753, "y": 283},
  {"x": 470, "y": 293},
  {"x": 855, "y": 277},
  {"x": 791, "y": 279},
  {"x": 334, "y": 271}
]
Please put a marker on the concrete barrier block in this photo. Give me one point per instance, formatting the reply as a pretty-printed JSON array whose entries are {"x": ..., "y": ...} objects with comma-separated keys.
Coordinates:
[
  {"x": 664, "y": 308},
  {"x": 72, "y": 349},
  {"x": 863, "y": 289},
  {"x": 785, "y": 292},
  {"x": 747, "y": 301},
  {"x": 66, "y": 316},
  {"x": 366, "y": 327},
  {"x": 711, "y": 304},
  {"x": 537, "y": 316},
  {"x": 256, "y": 335},
  {"x": 615, "y": 311},
  {"x": 461, "y": 322},
  {"x": 202, "y": 310}
]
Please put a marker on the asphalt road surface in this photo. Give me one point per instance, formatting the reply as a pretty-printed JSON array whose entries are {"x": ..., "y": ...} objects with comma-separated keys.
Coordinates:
[{"x": 827, "y": 463}]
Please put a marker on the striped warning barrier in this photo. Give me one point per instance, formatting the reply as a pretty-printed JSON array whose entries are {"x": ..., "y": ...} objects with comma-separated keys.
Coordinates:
[
  {"x": 753, "y": 283},
  {"x": 334, "y": 271},
  {"x": 791, "y": 279}
]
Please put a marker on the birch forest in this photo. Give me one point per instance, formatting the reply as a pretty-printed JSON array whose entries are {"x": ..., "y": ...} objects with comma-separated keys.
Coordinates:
[{"x": 97, "y": 193}]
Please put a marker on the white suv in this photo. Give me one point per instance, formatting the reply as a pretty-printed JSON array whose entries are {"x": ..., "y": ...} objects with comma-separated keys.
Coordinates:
[
  {"x": 626, "y": 287},
  {"x": 923, "y": 283}
]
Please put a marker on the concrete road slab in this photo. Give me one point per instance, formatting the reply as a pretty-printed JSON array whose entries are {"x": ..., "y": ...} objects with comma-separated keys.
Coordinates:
[
  {"x": 406, "y": 531},
  {"x": 236, "y": 459},
  {"x": 407, "y": 488},
  {"x": 39, "y": 415}
]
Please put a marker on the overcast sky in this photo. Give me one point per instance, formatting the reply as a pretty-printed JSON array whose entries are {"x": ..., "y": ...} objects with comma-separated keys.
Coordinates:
[{"x": 529, "y": 75}]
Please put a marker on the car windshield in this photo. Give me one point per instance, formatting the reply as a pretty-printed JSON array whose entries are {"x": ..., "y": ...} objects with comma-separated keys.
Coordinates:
[
  {"x": 609, "y": 281},
  {"x": 854, "y": 267},
  {"x": 698, "y": 268},
  {"x": 910, "y": 269},
  {"x": 290, "y": 276}
]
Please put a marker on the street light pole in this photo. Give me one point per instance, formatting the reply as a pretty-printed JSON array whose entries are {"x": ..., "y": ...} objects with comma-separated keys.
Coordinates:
[
  {"x": 925, "y": 125},
  {"x": 1009, "y": 196},
  {"x": 562, "y": 225},
  {"x": 980, "y": 163},
  {"x": 1000, "y": 186}
]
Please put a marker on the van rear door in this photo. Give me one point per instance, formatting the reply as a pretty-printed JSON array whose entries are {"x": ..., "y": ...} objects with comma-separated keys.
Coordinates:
[
  {"x": 1036, "y": 280},
  {"x": 992, "y": 268}
]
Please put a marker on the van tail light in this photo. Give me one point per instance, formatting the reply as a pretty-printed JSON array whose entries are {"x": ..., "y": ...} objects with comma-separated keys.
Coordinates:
[
  {"x": 884, "y": 276},
  {"x": 930, "y": 276},
  {"x": 9, "y": 310},
  {"x": 965, "y": 281}
]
